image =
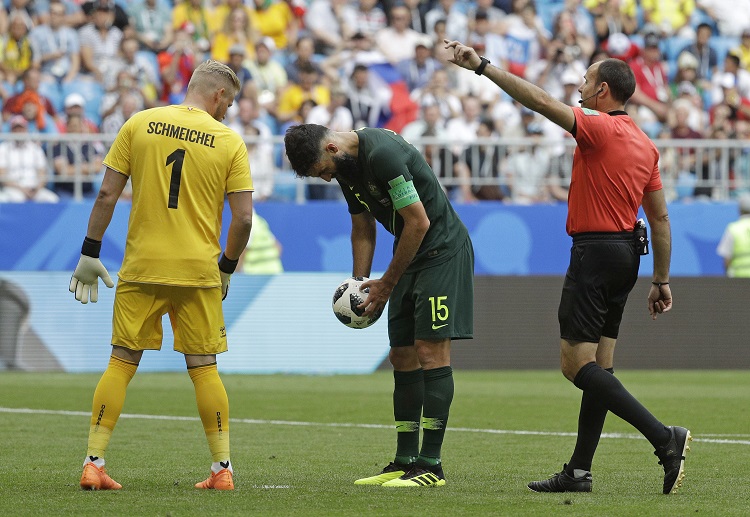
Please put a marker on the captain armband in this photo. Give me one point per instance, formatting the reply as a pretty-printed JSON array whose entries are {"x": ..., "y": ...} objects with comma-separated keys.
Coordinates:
[{"x": 402, "y": 192}]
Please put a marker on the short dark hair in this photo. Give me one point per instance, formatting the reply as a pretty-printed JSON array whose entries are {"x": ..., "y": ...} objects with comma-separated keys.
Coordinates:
[
  {"x": 733, "y": 57},
  {"x": 619, "y": 76},
  {"x": 302, "y": 145}
]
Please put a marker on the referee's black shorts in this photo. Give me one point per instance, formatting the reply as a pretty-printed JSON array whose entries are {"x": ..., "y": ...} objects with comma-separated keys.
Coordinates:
[{"x": 603, "y": 270}]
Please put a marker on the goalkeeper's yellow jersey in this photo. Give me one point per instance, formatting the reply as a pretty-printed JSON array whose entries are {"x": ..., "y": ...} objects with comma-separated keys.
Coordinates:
[{"x": 180, "y": 161}]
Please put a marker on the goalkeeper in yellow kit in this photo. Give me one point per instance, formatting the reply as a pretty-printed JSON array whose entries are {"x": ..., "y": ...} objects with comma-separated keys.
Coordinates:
[{"x": 181, "y": 161}]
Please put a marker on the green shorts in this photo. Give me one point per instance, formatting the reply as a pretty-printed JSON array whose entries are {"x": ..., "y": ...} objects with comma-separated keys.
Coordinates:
[{"x": 435, "y": 303}]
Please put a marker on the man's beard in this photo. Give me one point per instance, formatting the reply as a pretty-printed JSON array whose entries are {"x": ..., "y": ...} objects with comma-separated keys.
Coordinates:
[{"x": 346, "y": 168}]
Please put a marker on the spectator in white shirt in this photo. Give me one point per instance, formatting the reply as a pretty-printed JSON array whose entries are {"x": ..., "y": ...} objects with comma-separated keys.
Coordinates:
[{"x": 23, "y": 168}]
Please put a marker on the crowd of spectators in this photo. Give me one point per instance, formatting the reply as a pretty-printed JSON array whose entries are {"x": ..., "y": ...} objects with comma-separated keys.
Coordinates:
[{"x": 68, "y": 66}]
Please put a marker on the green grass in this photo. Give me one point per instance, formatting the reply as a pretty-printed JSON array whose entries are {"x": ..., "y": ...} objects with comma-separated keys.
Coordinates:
[{"x": 284, "y": 469}]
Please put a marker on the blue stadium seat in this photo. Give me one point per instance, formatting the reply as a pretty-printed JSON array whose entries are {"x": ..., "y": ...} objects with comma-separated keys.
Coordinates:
[
  {"x": 92, "y": 91},
  {"x": 672, "y": 46},
  {"x": 151, "y": 58},
  {"x": 722, "y": 45},
  {"x": 52, "y": 91}
]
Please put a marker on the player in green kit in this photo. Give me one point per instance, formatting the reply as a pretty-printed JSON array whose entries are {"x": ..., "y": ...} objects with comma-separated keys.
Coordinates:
[
  {"x": 181, "y": 161},
  {"x": 429, "y": 281}
]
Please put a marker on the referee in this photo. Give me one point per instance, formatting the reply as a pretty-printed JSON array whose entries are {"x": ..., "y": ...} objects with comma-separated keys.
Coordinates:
[{"x": 615, "y": 171}]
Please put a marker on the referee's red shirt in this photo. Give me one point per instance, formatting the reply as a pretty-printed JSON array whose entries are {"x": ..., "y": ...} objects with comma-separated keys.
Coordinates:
[{"x": 613, "y": 165}]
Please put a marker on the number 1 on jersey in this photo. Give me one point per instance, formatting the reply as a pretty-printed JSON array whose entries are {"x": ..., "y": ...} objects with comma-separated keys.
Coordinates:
[{"x": 176, "y": 159}]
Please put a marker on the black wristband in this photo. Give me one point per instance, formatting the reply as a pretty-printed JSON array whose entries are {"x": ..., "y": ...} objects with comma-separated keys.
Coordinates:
[
  {"x": 482, "y": 65},
  {"x": 659, "y": 284},
  {"x": 91, "y": 248},
  {"x": 227, "y": 266}
]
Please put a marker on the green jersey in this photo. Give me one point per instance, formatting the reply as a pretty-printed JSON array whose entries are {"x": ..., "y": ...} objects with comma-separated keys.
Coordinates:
[{"x": 393, "y": 174}]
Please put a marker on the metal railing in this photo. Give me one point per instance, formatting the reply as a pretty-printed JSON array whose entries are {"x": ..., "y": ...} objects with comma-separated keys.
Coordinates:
[{"x": 713, "y": 169}]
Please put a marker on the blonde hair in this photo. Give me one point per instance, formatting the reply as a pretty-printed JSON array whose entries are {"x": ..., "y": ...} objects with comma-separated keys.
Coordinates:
[{"x": 212, "y": 74}]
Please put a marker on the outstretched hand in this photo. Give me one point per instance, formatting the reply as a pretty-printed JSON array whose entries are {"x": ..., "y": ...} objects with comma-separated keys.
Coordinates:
[
  {"x": 659, "y": 300},
  {"x": 464, "y": 56}
]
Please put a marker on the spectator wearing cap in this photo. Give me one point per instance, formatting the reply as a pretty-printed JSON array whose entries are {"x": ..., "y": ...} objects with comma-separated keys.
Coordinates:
[
  {"x": 275, "y": 19},
  {"x": 687, "y": 72},
  {"x": 237, "y": 63},
  {"x": 619, "y": 46},
  {"x": 397, "y": 41},
  {"x": 418, "y": 70},
  {"x": 705, "y": 54},
  {"x": 571, "y": 79},
  {"x": 236, "y": 31},
  {"x": 55, "y": 47},
  {"x": 743, "y": 49},
  {"x": 331, "y": 23},
  {"x": 74, "y": 105},
  {"x": 671, "y": 16},
  {"x": 152, "y": 23},
  {"x": 612, "y": 17},
  {"x": 651, "y": 86},
  {"x": 369, "y": 18},
  {"x": 268, "y": 75},
  {"x": 23, "y": 167},
  {"x": 15, "y": 48},
  {"x": 100, "y": 41},
  {"x": 191, "y": 16}
]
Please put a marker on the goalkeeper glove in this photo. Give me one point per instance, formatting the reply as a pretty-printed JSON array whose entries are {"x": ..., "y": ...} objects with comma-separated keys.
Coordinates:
[
  {"x": 85, "y": 280},
  {"x": 226, "y": 268}
]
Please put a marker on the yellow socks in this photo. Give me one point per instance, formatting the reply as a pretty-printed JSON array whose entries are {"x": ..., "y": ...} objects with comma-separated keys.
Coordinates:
[
  {"x": 213, "y": 407},
  {"x": 109, "y": 398}
]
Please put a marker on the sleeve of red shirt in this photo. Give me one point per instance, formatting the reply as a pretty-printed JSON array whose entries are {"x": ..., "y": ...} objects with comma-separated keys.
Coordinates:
[{"x": 591, "y": 128}]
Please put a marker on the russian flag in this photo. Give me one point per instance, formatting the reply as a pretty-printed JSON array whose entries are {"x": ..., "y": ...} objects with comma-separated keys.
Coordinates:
[{"x": 403, "y": 109}]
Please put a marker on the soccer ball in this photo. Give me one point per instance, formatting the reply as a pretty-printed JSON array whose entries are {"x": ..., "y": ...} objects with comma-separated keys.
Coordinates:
[{"x": 345, "y": 300}]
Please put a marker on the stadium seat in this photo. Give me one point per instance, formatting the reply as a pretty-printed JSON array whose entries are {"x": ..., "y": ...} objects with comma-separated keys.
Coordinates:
[
  {"x": 52, "y": 91},
  {"x": 722, "y": 45},
  {"x": 672, "y": 46},
  {"x": 92, "y": 91},
  {"x": 151, "y": 58}
]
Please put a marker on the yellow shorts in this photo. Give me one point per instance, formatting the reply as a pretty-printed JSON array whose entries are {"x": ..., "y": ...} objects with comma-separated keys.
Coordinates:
[{"x": 195, "y": 313}]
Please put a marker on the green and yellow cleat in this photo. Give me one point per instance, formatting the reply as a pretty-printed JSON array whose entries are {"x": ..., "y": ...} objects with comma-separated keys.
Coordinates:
[
  {"x": 392, "y": 471},
  {"x": 419, "y": 475}
]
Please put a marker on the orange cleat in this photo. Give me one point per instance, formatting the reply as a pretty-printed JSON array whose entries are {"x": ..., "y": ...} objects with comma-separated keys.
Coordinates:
[
  {"x": 95, "y": 478},
  {"x": 222, "y": 480}
]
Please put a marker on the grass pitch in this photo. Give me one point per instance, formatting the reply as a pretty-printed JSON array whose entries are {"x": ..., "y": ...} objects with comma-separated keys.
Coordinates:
[{"x": 299, "y": 442}]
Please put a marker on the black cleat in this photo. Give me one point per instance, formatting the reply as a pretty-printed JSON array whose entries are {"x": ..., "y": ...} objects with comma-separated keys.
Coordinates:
[
  {"x": 419, "y": 476},
  {"x": 672, "y": 458},
  {"x": 562, "y": 482}
]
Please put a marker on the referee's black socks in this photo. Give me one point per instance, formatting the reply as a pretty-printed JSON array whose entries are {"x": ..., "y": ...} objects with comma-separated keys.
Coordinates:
[{"x": 612, "y": 394}]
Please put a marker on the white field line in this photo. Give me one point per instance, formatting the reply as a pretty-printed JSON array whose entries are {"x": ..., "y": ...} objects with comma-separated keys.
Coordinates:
[{"x": 705, "y": 438}]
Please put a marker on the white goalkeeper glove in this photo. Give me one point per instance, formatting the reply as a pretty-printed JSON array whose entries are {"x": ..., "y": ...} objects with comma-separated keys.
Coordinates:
[
  {"x": 85, "y": 280},
  {"x": 226, "y": 268}
]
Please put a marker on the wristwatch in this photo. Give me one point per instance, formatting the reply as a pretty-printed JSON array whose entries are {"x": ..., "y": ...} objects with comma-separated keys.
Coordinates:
[{"x": 482, "y": 65}]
